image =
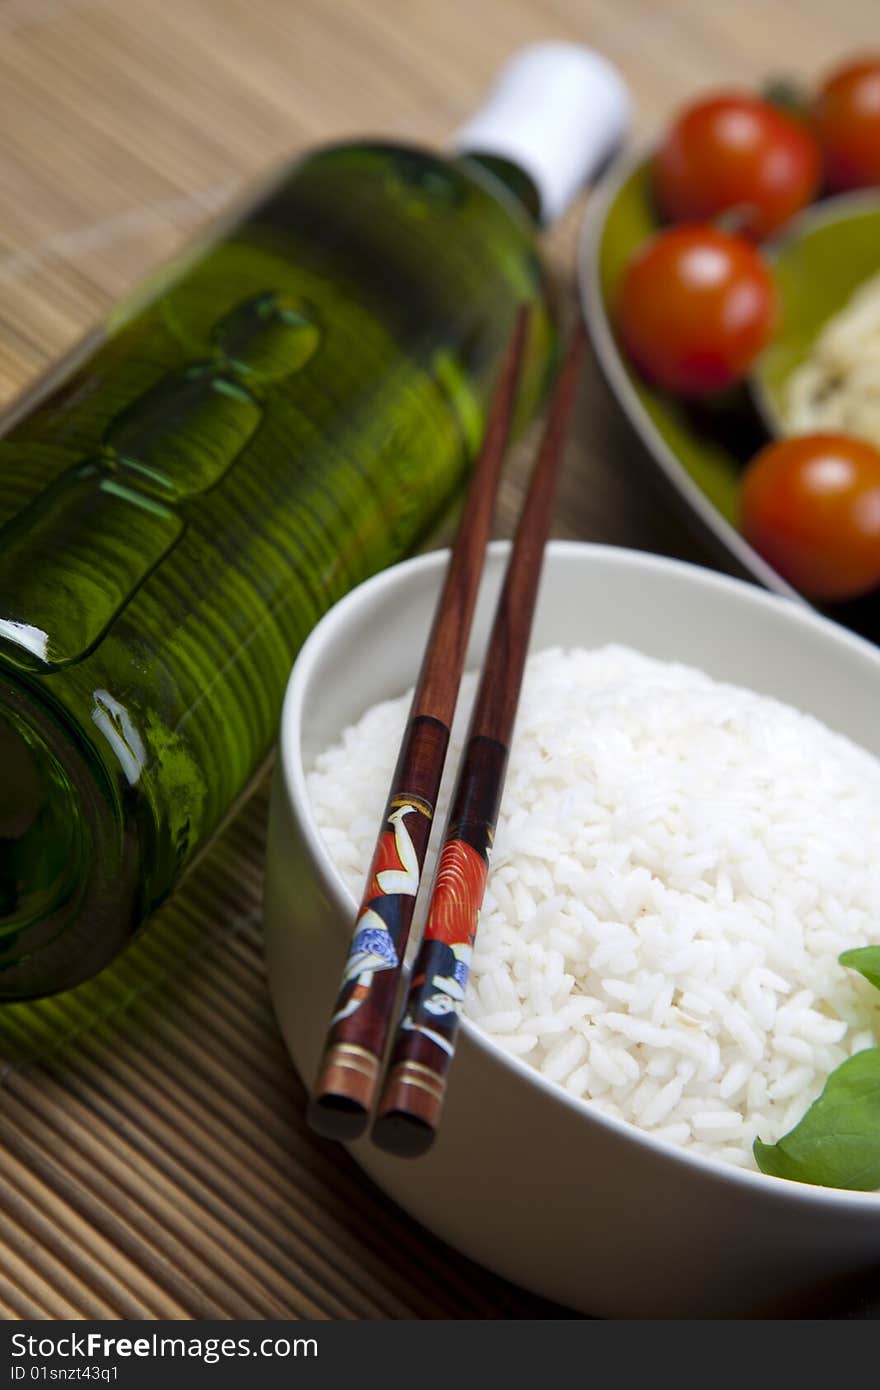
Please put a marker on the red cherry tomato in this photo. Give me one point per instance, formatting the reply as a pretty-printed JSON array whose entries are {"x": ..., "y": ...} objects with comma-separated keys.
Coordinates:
[
  {"x": 736, "y": 151},
  {"x": 847, "y": 116},
  {"x": 696, "y": 306},
  {"x": 811, "y": 507}
]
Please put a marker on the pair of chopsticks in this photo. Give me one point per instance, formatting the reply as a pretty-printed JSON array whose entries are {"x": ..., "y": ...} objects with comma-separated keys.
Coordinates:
[{"x": 411, "y": 1099}]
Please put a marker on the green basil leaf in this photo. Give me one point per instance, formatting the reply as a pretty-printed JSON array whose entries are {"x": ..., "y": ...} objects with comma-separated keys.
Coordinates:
[
  {"x": 837, "y": 1143},
  {"x": 865, "y": 959}
]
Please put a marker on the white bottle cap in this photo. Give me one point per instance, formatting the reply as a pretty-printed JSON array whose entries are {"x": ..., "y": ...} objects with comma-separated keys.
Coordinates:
[{"x": 557, "y": 110}]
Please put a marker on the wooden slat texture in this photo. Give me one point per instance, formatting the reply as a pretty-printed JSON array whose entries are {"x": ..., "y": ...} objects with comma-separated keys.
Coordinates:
[{"x": 153, "y": 1155}]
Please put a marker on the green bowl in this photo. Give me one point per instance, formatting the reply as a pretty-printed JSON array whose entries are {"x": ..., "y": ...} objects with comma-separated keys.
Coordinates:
[{"x": 701, "y": 449}]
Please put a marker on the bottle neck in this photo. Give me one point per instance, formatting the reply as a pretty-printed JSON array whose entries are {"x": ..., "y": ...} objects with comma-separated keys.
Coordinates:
[
  {"x": 514, "y": 179},
  {"x": 555, "y": 113}
]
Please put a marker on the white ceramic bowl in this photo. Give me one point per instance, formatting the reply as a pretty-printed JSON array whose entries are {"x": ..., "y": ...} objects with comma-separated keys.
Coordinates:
[{"x": 573, "y": 1205}]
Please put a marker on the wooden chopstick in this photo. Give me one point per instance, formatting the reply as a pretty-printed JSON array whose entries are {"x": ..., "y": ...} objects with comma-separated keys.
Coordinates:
[
  {"x": 363, "y": 1016},
  {"x": 411, "y": 1103}
]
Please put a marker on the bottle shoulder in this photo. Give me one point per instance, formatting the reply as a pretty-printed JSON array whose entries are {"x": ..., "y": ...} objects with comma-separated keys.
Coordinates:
[{"x": 422, "y": 181}]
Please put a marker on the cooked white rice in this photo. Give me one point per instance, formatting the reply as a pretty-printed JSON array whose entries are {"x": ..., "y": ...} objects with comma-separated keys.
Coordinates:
[
  {"x": 837, "y": 386},
  {"x": 677, "y": 867}
]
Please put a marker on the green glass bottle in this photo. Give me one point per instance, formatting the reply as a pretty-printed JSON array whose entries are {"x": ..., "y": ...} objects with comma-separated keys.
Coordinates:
[{"x": 279, "y": 416}]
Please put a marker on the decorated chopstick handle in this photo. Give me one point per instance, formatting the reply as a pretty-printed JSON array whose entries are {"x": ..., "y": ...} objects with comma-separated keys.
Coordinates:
[
  {"x": 412, "y": 1100},
  {"x": 364, "y": 1010}
]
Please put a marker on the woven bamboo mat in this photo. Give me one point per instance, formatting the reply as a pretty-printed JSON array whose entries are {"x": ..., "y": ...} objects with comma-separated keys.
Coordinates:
[{"x": 153, "y": 1158}]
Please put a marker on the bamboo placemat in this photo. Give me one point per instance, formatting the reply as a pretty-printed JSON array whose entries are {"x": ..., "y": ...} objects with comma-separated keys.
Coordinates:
[{"x": 154, "y": 1161}]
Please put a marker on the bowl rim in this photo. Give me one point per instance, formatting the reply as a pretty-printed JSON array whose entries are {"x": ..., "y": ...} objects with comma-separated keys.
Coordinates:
[
  {"x": 292, "y": 772},
  {"x": 614, "y": 370}
]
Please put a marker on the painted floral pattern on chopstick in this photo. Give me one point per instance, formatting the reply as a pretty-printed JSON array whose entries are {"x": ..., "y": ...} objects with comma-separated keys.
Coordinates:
[
  {"x": 438, "y": 986},
  {"x": 394, "y": 879}
]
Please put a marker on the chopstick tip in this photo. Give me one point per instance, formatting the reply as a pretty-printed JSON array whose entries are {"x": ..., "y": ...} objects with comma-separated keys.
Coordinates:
[
  {"x": 340, "y": 1105},
  {"x": 409, "y": 1111},
  {"x": 402, "y": 1134}
]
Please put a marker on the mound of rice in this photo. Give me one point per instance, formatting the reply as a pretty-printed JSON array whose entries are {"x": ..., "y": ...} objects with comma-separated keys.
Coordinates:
[{"x": 677, "y": 867}]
